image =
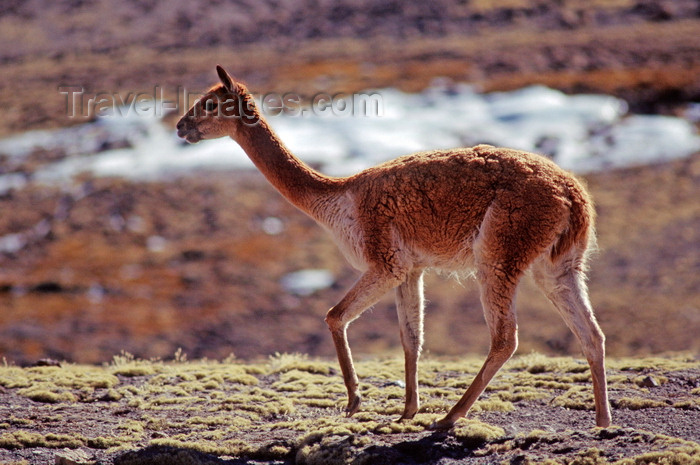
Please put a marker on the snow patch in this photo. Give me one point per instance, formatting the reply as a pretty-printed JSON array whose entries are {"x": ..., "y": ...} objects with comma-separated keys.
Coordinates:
[
  {"x": 580, "y": 132},
  {"x": 306, "y": 282}
]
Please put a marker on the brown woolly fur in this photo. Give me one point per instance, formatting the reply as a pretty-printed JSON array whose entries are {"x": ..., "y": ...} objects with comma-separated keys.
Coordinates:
[{"x": 496, "y": 211}]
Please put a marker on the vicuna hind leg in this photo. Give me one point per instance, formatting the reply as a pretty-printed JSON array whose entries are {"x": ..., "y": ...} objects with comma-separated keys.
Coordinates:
[
  {"x": 564, "y": 285},
  {"x": 497, "y": 293},
  {"x": 409, "y": 306}
]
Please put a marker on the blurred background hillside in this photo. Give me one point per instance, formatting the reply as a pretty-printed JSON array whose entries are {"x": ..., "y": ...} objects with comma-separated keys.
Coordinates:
[{"x": 201, "y": 260}]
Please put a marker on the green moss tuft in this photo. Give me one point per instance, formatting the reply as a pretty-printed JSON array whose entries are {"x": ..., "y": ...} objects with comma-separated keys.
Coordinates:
[
  {"x": 104, "y": 443},
  {"x": 41, "y": 394},
  {"x": 521, "y": 394},
  {"x": 576, "y": 398},
  {"x": 638, "y": 403},
  {"x": 590, "y": 456},
  {"x": 495, "y": 404},
  {"x": 329, "y": 450},
  {"x": 24, "y": 439},
  {"x": 475, "y": 433},
  {"x": 282, "y": 363},
  {"x": 689, "y": 404},
  {"x": 685, "y": 455}
]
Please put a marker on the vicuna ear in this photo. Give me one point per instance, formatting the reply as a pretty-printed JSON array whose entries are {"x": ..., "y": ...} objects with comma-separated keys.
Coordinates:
[{"x": 226, "y": 79}]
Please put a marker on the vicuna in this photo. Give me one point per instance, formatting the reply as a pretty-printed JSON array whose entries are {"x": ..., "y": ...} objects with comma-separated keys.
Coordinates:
[{"x": 495, "y": 211}]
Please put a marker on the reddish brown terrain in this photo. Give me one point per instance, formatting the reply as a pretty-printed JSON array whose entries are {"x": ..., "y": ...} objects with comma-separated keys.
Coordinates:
[
  {"x": 150, "y": 267},
  {"x": 209, "y": 282},
  {"x": 153, "y": 267}
]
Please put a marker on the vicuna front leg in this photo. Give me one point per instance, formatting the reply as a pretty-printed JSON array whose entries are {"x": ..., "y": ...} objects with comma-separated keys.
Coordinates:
[
  {"x": 365, "y": 293},
  {"x": 409, "y": 306}
]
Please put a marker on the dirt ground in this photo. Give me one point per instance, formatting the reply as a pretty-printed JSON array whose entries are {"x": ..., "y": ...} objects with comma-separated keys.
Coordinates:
[
  {"x": 111, "y": 265},
  {"x": 288, "y": 410}
]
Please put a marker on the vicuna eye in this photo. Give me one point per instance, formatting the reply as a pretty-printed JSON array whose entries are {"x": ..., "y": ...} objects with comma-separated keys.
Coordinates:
[{"x": 209, "y": 105}]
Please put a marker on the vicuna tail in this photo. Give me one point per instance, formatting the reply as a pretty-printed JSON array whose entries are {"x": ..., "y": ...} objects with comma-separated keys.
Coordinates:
[{"x": 581, "y": 230}]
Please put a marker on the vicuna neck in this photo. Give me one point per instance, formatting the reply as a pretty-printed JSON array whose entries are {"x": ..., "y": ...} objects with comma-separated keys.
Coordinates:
[{"x": 297, "y": 182}]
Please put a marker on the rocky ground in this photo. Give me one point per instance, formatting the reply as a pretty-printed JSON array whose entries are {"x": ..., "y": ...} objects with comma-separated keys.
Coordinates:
[
  {"x": 288, "y": 410},
  {"x": 103, "y": 265}
]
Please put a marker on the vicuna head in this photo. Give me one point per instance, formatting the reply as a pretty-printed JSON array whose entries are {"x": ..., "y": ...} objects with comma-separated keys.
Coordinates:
[{"x": 220, "y": 112}]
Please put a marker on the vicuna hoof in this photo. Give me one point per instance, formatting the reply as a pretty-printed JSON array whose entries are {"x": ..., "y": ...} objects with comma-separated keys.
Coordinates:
[
  {"x": 408, "y": 414},
  {"x": 353, "y": 406},
  {"x": 441, "y": 425}
]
